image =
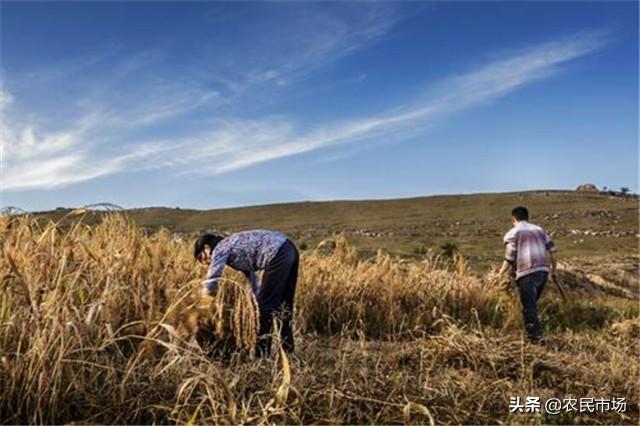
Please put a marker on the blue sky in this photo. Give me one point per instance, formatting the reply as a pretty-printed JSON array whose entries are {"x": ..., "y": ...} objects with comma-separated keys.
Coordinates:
[{"x": 205, "y": 105}]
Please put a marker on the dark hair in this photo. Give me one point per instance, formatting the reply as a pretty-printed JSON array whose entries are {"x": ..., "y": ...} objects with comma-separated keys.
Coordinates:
[
  {"x": 207, "y": 238},
  {"x": 520, "y": 213}
]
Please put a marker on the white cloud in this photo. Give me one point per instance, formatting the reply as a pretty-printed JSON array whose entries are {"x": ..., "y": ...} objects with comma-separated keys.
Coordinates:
[
  {"x": 170, "y": 104},
  {"x": 55, "y": 171},
  {"x": 72, "y": 67},
  {"x": 31, "y": 159},
  {"x": 486, "y": 83},
  {"x": 35, "y": 159},
  {"x": 5, "y": 99},
  {"x": 310, "y": 42},
  {"x": 140, "y": 60}
]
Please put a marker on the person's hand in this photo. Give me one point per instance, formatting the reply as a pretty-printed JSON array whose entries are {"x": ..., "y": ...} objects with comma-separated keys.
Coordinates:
[
  {"x": 204, "y": 292},
  {"x": 209, "y": 289},
  {"x": 491, "y": 278},
  {"x": 206, "y": 298},
  {"x": 205, "y": 303}
]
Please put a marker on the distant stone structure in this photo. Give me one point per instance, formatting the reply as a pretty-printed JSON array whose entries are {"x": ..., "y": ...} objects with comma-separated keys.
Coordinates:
[{"x": 587, "y": 187}]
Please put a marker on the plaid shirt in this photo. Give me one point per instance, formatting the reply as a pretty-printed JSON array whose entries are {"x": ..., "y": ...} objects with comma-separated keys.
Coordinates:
[
  {"x": 246, "y": 251},
  {"x": 526, "y": 247}
]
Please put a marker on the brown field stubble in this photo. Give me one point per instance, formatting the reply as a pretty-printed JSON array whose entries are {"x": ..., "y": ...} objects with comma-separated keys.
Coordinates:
[{"x": 98, "y": 325}]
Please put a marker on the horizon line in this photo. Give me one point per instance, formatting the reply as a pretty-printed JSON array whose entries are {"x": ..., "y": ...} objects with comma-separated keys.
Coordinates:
[{"x": 115, "y": 207}]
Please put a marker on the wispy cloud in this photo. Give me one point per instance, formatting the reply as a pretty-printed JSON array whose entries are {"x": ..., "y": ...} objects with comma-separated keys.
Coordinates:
[
  {"x": 71, "y": 67},
  {"x": 307, "y": 44},
  {"x": 96, "y": 144},
  {"x": 140, "y": 60},
  {"x": 242, "y": 144},
  {"x": 35, "y": 159},
  {"x": 5, "y": 99}
]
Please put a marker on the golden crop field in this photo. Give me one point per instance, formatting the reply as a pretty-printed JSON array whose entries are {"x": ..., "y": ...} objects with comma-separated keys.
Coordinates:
[{"x": 104, "y": 324}]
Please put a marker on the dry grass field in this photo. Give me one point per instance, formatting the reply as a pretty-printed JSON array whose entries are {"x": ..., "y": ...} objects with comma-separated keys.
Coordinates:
[{"x": 102, "y": 323}]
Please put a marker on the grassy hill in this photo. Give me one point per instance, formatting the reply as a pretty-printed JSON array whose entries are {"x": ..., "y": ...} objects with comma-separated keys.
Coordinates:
[{"x": 584, "y": 225}]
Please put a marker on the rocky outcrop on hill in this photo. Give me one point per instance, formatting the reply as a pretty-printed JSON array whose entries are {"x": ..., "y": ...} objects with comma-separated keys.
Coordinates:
[{"x": 587, "y": 187}]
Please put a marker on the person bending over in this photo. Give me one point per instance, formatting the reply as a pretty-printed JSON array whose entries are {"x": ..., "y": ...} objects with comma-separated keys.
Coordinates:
[{"x": 248, "y": 252}]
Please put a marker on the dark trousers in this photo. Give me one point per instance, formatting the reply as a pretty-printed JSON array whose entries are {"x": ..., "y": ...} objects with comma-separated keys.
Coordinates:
[
  {"x": 276, "y": 295},
  {"x": 531, "y": 287}
]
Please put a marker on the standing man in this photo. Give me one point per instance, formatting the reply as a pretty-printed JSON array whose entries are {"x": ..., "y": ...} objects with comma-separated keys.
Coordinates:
[
  {"x": 248, "y": 252},
  {"x": 527, "y": 250}
]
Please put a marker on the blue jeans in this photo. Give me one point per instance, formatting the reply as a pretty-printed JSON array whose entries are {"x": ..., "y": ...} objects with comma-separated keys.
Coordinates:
[{"x": 531, "y": 287}]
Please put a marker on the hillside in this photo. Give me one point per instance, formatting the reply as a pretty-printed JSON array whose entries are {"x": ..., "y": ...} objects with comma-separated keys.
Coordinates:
[{"x": 584, "y": 225}]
